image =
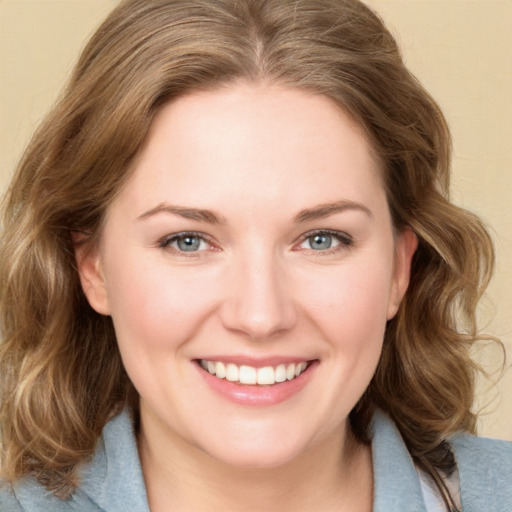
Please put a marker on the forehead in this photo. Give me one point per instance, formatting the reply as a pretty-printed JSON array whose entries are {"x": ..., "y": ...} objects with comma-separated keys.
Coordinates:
[{"x": 249, "y": 141}]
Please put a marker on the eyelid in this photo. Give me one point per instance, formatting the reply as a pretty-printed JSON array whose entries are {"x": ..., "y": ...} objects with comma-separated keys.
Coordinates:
[
  {"x": 342, "y": 235},
  {"x": 346, "y": 241},
  {"x": 166, "y": 241}
]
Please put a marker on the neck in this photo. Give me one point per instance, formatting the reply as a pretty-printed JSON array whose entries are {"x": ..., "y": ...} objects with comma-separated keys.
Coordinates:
[{"x": 334, "y": 474}]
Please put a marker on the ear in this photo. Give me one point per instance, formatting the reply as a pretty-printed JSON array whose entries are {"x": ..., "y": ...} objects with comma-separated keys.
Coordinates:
[
  {"x": 91, "y": 274},
  {"x": 405, "y": 247}
]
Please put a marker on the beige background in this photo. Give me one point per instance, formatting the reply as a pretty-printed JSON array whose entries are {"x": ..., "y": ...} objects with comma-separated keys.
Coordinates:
[{"x": 460, "y": 49}]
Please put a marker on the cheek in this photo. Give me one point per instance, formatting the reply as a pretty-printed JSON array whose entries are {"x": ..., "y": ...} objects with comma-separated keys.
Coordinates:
[
  {"x": 350, "y": 310},
  {"x": 155, "y": 307},
  {"x": 350, "y": 298}
]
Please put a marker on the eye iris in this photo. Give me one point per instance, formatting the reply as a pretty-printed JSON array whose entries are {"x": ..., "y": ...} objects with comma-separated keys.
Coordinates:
[
  {"x": 189, "y": 243},
  {"x": 320, "y": 242}
]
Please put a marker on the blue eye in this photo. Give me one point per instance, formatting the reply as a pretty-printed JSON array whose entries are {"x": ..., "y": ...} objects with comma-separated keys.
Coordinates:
[
  {"x": 188, "y": 243},
  {"x": 325, "y": 240},
  {"x": 321, "y": 242},
  {"x": 185, "y": 242}
]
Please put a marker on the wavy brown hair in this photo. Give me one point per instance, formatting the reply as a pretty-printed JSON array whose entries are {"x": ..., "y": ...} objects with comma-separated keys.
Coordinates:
[{"x": 60, "y": 369}]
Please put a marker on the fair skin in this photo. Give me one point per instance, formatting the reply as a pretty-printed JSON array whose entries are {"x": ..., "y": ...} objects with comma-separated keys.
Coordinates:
[{"x": 255, "y": 232}]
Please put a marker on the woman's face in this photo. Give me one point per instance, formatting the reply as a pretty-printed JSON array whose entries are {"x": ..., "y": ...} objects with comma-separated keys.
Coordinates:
[{"x": 254, "y": 241}]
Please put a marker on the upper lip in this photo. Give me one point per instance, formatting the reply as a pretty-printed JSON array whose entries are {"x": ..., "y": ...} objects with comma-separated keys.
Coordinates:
[{"x": 255, "y": 362}]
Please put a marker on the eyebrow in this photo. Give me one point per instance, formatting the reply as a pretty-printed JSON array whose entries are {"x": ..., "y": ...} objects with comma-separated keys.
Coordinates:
[
  {"x": 317, "y": 212},
  {"x": 198, "y": 214},
  {"x": 326, "y": 209}
]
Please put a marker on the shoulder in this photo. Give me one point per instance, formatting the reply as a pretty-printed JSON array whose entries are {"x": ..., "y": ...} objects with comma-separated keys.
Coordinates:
[
  {"x": 485, "y": 470},
  {"x": 8, "y": 501},
  {"x": 111, "y": 481},
  {"x": 28, "y": 495},
  {"x": 482, "y": 455}
]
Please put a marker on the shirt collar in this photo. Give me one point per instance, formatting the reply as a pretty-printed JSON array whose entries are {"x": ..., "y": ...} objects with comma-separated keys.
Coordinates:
[
  {"x": 396, "y": 481},
  {"x": 114, "y": 479}
]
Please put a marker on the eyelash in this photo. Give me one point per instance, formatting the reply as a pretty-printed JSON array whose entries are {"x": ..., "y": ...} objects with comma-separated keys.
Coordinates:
[
  {"x": 345, "y": 241},
  {"x": 165, "y": 243}
]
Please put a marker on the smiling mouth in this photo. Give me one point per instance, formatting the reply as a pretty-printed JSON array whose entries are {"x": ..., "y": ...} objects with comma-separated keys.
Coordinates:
[{"x": 249, "y": 375}]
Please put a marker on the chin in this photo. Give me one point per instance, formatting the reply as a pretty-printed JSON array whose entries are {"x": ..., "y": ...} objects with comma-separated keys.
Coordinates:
[
  {"x": 257, "y": 458},
  {"x": 253, "y": 448}
]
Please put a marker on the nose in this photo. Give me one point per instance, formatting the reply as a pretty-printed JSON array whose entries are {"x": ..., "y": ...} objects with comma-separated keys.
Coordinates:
[{"x": 259, "y": 301}]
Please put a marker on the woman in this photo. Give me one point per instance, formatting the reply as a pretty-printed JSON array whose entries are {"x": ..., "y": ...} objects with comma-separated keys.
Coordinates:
[{"x": 231, "y": 278}]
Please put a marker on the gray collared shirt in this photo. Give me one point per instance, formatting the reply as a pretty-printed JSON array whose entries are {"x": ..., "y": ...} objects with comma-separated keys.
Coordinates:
[{"x": 113, "y": 482}]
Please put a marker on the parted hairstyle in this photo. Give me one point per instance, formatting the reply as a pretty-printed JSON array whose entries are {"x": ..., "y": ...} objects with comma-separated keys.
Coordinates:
[{"x": 61, "y": 375}]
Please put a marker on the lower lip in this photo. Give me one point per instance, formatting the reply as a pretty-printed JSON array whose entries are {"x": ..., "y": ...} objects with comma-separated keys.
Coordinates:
[{"x": 255, "y": 395}]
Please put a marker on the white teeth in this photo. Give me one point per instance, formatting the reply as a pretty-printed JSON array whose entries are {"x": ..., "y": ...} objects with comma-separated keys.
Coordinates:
[
  {"x": 249, "y": 375},
  {"x": 220, "y": 370},
  {"x": 281, "y": 373},
  {"x": 299, "y": 369},
  {"x": 232, "y": 373},
  {"x": 266, "y": 376}
]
